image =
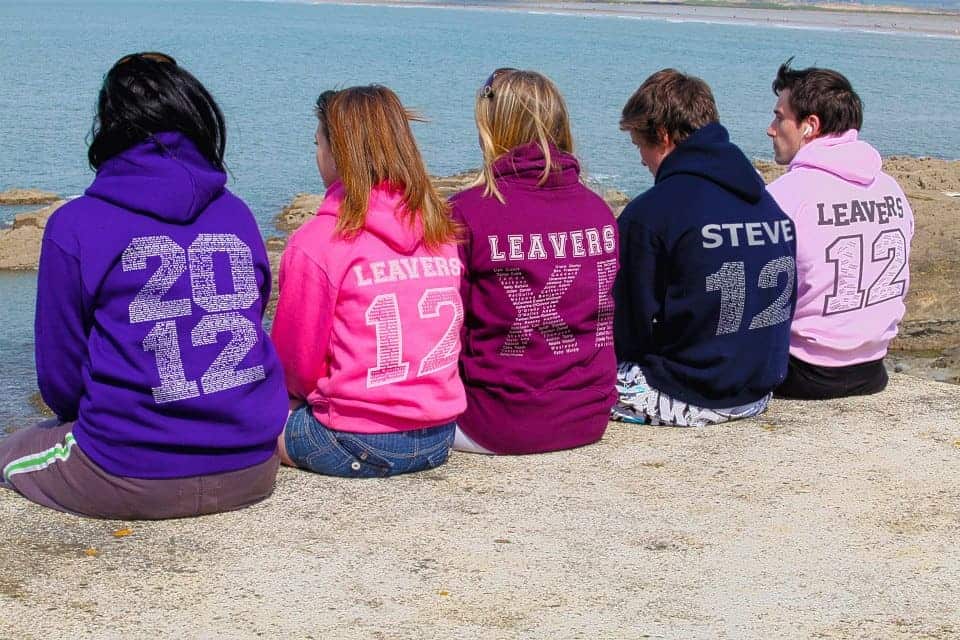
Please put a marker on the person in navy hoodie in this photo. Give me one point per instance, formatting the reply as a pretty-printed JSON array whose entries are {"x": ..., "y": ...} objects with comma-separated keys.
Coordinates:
[
  {"x": 707, "y": 283},
  {"x": 149, "y": 344}
]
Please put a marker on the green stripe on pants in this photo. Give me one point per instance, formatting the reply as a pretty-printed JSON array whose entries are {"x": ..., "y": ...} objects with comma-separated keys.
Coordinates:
[{"x": 41, "y": 460}]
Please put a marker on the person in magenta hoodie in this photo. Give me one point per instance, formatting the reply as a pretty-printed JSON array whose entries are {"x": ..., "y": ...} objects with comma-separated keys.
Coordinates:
[
  {"x": 368, "y": 321},
  {"x": 854, "y": 227},
  {"x": 540, "y": 258},
  {"x": 149, "y": 344}
]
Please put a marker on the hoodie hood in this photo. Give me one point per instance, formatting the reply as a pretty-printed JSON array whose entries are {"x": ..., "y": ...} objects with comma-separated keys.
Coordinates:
[
  {"x": 165, "y": 177},
  {"x": 387, "y": 217},
  {"x": 842, "y": 155},
  {"x": 709, "y": 154},
  {"x": 524, "y": 164}
]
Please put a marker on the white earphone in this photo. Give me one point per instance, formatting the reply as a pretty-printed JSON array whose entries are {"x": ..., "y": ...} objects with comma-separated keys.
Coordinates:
[{"x": 806, "y": 130}]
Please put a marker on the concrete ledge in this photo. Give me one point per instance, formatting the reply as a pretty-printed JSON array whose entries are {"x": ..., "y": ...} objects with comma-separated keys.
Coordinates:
[{"x": 833, "y": 520}]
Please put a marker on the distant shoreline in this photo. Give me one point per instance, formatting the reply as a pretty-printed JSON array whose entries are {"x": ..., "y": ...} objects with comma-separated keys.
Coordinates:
[{"x": 827, "y": 16}]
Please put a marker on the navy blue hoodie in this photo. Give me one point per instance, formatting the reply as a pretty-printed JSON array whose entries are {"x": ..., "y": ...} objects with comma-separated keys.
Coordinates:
[{"x": 707, "y": 283}]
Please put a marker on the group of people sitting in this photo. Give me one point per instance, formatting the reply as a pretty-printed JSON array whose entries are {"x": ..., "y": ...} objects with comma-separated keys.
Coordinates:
[{"x": 518, "y": 317}]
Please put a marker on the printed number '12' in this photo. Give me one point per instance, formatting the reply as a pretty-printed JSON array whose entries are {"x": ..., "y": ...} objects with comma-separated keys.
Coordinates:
[
  {"x": 384, "y": 315},
  {"x": 731, "y": 282},
  {"x": 846, "y": 254}
]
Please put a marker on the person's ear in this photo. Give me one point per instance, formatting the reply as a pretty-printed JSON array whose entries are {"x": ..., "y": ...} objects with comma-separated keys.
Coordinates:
[
  {"x": 663, "y": 137},
  {"x": 811, "y": 127}
]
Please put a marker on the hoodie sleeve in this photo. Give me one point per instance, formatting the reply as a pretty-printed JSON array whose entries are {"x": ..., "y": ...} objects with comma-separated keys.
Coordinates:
[
  {"x": 788, "y": 192},
  {"x": 60, "y": 327},
  {"x": 301, "y": 327},
  {"x": 464, "y": 251},
  {"x": 635, "y": 291}
]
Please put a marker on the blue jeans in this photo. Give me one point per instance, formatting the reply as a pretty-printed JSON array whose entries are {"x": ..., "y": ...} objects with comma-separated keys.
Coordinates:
[{"x": 313, "y": 446}]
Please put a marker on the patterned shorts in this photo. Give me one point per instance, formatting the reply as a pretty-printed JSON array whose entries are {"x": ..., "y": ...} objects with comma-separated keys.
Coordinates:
[{"x": 639, "y": 403}]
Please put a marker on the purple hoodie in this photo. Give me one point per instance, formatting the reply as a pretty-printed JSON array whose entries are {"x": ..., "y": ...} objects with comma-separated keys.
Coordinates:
[
  {"x": 537, "y": 362},
  {"x": 150, "y": 297}
]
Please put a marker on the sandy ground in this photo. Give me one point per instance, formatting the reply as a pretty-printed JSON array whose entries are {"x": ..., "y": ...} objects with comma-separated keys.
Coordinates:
[
  {"x": 828, "y": 520},
  {"x": 838, "y": 16}
]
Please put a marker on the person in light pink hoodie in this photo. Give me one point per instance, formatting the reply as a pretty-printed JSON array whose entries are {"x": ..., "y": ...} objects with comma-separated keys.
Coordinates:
[
  {"x": 369, "y": 316},
  {"x": 854, "y": 227}
]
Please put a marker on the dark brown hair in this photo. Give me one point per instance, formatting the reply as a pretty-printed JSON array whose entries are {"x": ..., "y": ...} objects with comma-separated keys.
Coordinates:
[
  {"x": 669, "y": 101},
  {"x": 824, "y": 93}
]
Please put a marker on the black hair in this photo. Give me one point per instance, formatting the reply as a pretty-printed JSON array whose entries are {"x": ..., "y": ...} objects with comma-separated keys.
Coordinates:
[
  {"x": 147, "y": 93},
  {"x": 822, "y": 92}
]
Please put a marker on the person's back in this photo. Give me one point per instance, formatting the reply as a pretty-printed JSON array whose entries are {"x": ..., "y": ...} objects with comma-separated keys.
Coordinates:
[
  {"x": 540, "y": 256},
  {"x": 854, "y": 227},
  {"x": 180, "y": 378},
  {"x": 369, "y": 316},
  {"x": 149, "y": 344},
  {"x": 706, "y": 287},
  {"x": 393, "y": 340}
]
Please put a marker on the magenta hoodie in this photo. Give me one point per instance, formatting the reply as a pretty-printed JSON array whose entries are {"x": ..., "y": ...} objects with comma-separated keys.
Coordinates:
[
  {"x": 368, "y": 329},
  {"x": 538, "y": 360},
  {"x": 853, "y": 226}
]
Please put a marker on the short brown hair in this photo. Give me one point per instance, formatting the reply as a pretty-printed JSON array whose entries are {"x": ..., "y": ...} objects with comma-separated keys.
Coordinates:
[
  {"x": 824, "y": 93},
  {"x": 669, "y": 101},
  {"x": 371, "y": 143}
]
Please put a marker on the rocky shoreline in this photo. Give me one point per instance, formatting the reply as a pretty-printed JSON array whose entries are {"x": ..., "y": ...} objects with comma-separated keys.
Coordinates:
[
  {"x": 20, "y": 242},
  {"x": 929, "y": 340}
]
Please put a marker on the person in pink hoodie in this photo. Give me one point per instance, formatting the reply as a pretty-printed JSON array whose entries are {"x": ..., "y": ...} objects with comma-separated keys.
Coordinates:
[
  {"x": 854, "y": 227},
  {"x": 369, "y": 316},
  {"x": 540, "y": 258}
]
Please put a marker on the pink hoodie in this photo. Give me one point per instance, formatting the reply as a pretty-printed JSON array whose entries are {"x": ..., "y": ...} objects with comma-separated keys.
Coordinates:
[
  {"x": 368, "y": 329},
  {"x": 853, "y": 226}
]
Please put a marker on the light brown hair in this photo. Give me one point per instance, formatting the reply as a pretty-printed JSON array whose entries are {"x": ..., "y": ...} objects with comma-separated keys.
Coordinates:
[
  {"x": 371, "y": 143},
  {"x": 669, "y": 102},
  {"x": 514, "y": 108}
]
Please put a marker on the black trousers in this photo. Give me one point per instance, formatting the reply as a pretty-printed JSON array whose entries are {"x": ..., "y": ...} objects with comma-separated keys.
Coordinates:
[{"x": 807, "y": 381}]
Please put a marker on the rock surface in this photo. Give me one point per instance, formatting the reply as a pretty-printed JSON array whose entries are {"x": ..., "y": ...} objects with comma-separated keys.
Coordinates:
[
  {"x": 829, "y": 520},
  {"x": 27, "y": 196},
  {"x": 20, "y": 244}
]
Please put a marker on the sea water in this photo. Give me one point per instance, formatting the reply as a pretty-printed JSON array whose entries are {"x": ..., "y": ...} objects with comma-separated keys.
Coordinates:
[{"x": 266, "y": 62}]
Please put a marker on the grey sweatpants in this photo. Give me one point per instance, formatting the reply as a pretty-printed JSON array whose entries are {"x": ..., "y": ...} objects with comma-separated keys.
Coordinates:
[{"x": 45, "y": 464}]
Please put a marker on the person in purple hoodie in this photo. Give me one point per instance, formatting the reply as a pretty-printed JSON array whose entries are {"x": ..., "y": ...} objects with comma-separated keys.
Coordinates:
[
  {"x": 149, "y": 344},
  {"x": 540, "y": 258}
]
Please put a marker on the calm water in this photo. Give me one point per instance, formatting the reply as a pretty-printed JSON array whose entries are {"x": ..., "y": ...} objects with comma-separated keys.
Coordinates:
[{"x": 266, "y": 62}]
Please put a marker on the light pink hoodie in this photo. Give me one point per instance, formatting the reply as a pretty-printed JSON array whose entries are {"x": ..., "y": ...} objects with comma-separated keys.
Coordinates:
[
  {"x": 368, "y": 329},
  {"x": 854, "y": 227}
]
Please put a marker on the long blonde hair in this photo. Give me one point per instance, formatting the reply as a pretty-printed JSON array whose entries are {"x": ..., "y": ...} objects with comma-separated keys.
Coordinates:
[
  {"x": 371, "y": 142},
  {"x": 516, "y": 107}
]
